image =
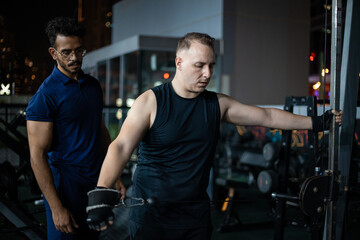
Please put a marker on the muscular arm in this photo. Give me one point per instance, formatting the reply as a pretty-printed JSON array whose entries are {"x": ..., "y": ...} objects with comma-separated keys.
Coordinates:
[
  {"x": 106, "y": 140},
  {"x": 40, "y": 137},
  {"x": 137, "y": 122},
  {"x": 237, "y": 113}
]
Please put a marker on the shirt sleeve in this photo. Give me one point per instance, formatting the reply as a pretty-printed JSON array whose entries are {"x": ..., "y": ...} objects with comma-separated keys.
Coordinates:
[{"x": 41, "y": 107}]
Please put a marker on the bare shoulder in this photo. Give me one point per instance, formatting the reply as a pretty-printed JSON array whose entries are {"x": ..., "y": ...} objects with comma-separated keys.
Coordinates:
[
  {"x": 225, "y": 102},
  {"x": 147, "y": 95},
  {"x": 223, "y": 98},
  {"x": 145, "y": 101},
  {"x": 144, "y": 108}
]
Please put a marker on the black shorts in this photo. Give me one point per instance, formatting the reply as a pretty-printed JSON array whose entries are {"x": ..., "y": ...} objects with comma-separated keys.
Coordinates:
[{"x": 143, "y": 232}]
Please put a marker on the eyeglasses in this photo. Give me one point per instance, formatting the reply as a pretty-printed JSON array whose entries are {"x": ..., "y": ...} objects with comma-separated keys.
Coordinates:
[{"x": 66, "y": 54}]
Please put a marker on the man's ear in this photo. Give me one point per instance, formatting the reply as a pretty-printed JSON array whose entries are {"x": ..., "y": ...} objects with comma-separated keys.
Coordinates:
[
  {"x": 178, "y": 63},
  {"x": 52, "y": 53}
]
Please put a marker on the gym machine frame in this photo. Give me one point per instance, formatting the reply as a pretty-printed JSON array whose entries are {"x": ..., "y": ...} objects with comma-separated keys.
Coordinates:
[{"x": 282, "y": 197}]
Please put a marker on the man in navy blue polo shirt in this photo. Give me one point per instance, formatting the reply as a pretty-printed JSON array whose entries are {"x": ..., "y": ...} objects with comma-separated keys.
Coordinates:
[{"x": 67, "y": 136}]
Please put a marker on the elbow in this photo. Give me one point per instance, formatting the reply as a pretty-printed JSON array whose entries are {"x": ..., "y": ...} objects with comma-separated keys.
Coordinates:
[
  {"x": 38, "y": 159},
  {"x": 122, "y": 150},
  {"x": 34, "y": 163},
  {"x": 269, "y": 118}
]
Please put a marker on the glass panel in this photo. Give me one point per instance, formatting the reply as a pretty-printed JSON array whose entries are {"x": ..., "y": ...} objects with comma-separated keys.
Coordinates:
[
  {"x": 131, "y": 84},
  {"x": 114, "y": 80},
  {"x": 91, "y": 71},
  {"x": 101, "y": 76},
  {"x": 157, "y": 67},
  {"x": 116, "y": 117},
  {"x": 110, "y": 113}
]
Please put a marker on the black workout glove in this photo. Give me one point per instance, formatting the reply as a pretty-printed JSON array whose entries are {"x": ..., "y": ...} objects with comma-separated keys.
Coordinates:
[
  {"x": 100, "y": 204},
  {"x": 321, "y": 123}
]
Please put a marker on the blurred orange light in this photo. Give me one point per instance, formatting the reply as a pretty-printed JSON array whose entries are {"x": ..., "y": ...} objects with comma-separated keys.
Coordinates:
[
  {"x": 311, "y": 58},
  {"x": 166, "y": 75},
  {"x": 316, "y": 85}
]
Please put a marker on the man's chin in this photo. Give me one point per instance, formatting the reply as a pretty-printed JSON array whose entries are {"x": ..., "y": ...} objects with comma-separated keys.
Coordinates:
[
  {"x": 201, "y": 89},
  {"x": 74, "y": 70}
]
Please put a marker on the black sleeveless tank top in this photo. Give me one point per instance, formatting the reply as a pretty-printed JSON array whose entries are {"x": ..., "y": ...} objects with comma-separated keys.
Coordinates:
[{"x": 174, "y": 160}]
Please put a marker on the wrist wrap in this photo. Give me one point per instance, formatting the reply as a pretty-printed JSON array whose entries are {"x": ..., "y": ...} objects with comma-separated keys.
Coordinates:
[{"x": 321, "y": 123}]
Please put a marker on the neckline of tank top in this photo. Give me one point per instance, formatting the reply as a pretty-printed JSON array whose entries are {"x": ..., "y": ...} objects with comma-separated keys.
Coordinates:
[{"x": 183, "y": 98}]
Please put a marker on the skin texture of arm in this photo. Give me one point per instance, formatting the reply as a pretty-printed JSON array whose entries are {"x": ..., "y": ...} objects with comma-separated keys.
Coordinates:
[
  {"x": 237, "y": 113},
  {"x": 106, "y": 140},
  {"x": 40, "y": 137}
]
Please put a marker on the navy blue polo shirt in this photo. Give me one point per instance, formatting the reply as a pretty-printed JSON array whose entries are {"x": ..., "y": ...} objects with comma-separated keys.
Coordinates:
[{"x": 75, "y": 108}]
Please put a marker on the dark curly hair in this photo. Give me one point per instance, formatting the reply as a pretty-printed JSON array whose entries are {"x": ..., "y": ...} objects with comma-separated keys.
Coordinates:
[
  {"x": 203, "y": 38},
  {"x": 64, "y": 26}
]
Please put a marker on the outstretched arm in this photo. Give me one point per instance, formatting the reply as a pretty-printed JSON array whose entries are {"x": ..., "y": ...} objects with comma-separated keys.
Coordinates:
[{"x": 237, "y": 113}]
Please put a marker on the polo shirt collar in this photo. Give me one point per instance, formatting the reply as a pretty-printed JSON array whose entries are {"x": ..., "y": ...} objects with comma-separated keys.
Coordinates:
[{"x": 63, "y": 78}]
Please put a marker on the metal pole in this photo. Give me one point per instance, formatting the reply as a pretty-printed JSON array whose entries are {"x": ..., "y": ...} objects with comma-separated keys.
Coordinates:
[
  {"x": 336, "y": 41},
  {"x": 349, "y": 85}
]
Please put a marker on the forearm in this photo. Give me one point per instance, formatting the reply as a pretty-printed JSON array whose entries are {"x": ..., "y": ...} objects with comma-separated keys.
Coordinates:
[
  {"x": 45, "y": 181},
  {"x": 113, "y": 166}
]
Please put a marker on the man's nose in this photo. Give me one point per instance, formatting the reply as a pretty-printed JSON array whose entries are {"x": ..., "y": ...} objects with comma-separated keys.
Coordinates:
[
  {"x": 76, "y": 55},
  {"x": 207, "y": 72},
  {"x": 73, "y": 56}
]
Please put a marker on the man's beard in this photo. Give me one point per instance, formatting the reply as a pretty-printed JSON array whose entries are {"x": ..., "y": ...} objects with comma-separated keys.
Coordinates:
[{"x": 67, "y": 69}]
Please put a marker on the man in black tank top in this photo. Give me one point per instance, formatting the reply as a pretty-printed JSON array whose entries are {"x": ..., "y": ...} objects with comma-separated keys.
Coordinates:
[{"x": 176, "y": 126}]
